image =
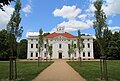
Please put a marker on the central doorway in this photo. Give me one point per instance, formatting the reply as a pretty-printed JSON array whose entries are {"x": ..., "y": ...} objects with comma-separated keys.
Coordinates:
[{"x": 60, "y": 55}]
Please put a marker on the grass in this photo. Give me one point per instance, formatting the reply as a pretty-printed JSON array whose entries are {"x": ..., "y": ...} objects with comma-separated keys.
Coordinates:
[
  {"x": 26, "y": 70},
  {"x": 91, "y": 70}
]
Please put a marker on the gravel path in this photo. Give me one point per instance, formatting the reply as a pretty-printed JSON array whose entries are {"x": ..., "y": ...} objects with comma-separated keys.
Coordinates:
[{"x": 59, "y": 71}]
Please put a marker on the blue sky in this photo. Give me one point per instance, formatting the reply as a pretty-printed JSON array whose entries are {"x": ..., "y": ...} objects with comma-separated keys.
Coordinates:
[{"x": 72, "y": 14}]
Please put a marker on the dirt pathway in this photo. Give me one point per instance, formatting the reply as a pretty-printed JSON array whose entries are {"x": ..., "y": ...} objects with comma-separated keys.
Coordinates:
[{"x": 59, "y": 71}]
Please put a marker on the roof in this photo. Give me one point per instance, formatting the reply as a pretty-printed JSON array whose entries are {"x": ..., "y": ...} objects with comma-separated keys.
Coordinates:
[{"x": 52, "y": 35}]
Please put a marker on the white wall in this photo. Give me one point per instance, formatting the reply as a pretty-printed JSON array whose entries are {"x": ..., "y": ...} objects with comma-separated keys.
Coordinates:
[{"x": 55, "y": 43}]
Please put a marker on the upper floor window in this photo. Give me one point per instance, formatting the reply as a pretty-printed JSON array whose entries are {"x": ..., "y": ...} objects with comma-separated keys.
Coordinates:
[
  {"x": 36, "y": 45},
  {"x": 83, "y": 45},
  {"x": 88, "y": 45},
  {"x": 45, "y": 45},
  {"x": 60, "y": 46},
  {"x": 88, "y": 39},
  {"x": 31, "y": 45},
  {"x": 31, "y": 39}
]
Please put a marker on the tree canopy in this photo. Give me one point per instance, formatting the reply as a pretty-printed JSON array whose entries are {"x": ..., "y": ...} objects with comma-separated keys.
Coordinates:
[{"x": 4, "y": 2}]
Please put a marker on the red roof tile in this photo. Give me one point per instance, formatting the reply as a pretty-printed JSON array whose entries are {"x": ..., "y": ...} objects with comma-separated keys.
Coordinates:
[{"x": 52, "y": 35}]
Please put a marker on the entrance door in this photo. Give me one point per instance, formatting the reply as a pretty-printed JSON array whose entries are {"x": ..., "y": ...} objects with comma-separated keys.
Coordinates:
[{"x": 60, "y": 55}]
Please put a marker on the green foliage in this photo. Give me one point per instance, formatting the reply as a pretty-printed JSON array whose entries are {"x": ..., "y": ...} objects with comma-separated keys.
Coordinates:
[
  {"x": 40, "y": 41},
  {"x": 4, "y": 2},
  {"x": 4, "y": 44},
  {"x": 22, "y": 49},
  {"x": 69, "y": 51},
  {"x": 45, "y": 34},
  {"x": 14, "y": 29},
  {"x": 26, "y": 70},
  {"x": 100, "y": 25},
  {"x": 91, "y": 72},
  {"x": 47, "y": 47},
  {"x": 111, "y": 45},
  {"x": 96, "y": 49},
  {"x": 79, "y": 42}
]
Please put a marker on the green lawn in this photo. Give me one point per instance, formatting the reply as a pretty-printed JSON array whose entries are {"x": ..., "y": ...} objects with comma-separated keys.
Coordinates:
[
  {"x": 91, "y": 70},
  {"x": 26, "y": 70}
]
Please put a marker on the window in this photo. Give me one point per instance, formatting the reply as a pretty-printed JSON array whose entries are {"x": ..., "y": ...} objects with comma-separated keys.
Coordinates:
[
  {"x": 45, "y": 45},
  {"x": 36, "y": 39},
  {"x": 68, "y": 39},
  {"x": 88, "y": 54},
  {"x": 31, "y": 54},
  {"x": 83, "y": 54},
  {"x": 51, "y": 45},
  {"x": 88, "y": 45},
  {"x": 36, "y": 54},
  {"x": 74, "y": 45},
  {"x": 75, "y": 54},
  {"x": 88, "y": 39},
  {"x": 68, "y": 45},
  {"x": 31, "y": 45},
  {"x": 83, "y": 45},
  {"x": 60, "y": 45},
  {"x": 45, "y": 54},
  {"x": 31, "y": 39},
  {"x": 36, "y": 45}
]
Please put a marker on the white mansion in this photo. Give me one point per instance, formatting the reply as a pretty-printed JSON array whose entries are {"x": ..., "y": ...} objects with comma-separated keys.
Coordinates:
[{"x": 59, "y": 41}]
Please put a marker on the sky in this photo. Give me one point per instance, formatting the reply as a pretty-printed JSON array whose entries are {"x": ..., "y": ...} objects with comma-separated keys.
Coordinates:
[{"x": 72, "y": 14}]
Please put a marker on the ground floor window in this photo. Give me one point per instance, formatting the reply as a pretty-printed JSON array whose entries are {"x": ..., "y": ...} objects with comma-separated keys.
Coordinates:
[
  {"x": 36, "y": 54},
  {"x": 83, "y": 54},
  {"x": 31, "y": 54},
  {"x": 45, "y": 54},
  {"x": 88, "y": 54},
  {"x": 75, "y": 54}
]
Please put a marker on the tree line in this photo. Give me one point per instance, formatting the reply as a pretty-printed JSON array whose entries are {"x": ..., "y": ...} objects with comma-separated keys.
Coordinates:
[
  {"x": 111, "y": 46},
  {"x": 5, "y": 47}
]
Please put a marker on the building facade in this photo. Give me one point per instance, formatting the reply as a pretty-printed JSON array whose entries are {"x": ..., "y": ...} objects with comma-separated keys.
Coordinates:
[{"x": 59, "y": 41}]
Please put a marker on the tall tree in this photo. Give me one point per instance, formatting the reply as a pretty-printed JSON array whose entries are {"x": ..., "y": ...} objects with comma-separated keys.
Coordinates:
[
  {"x": 72, "y": 49},
  {"x": 100, "y": 27},
  {"x": 100, "y": 24},
  {"x": 47, "y": 49},
  {"x": 79, "y": 43},
  {"x": 40, "y": 41},
  {"x": 69, "y": 51},
  {"x": 15, "y": 32},
  {"x": 13, "y": 27},
  {"x": 40, "y": 44},
  {"x": 50, "y": 51}
]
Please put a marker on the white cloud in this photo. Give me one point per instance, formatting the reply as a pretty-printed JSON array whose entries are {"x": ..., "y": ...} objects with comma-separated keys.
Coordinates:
[
  {"x": 73, "y": 25},
  {"x": 110, "y": 22},
  {"x": 82, "y": 16},
  {"x": 91, "y": 8},
  {"x": 72, "y": 13},
  {"x": 112, "y": 7},
  {"x": 115, "y": 28},
  {"x": 69, "y": 12},
  {"x": 5, "y": 16},
  {"x": 27, "y": 9}
]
